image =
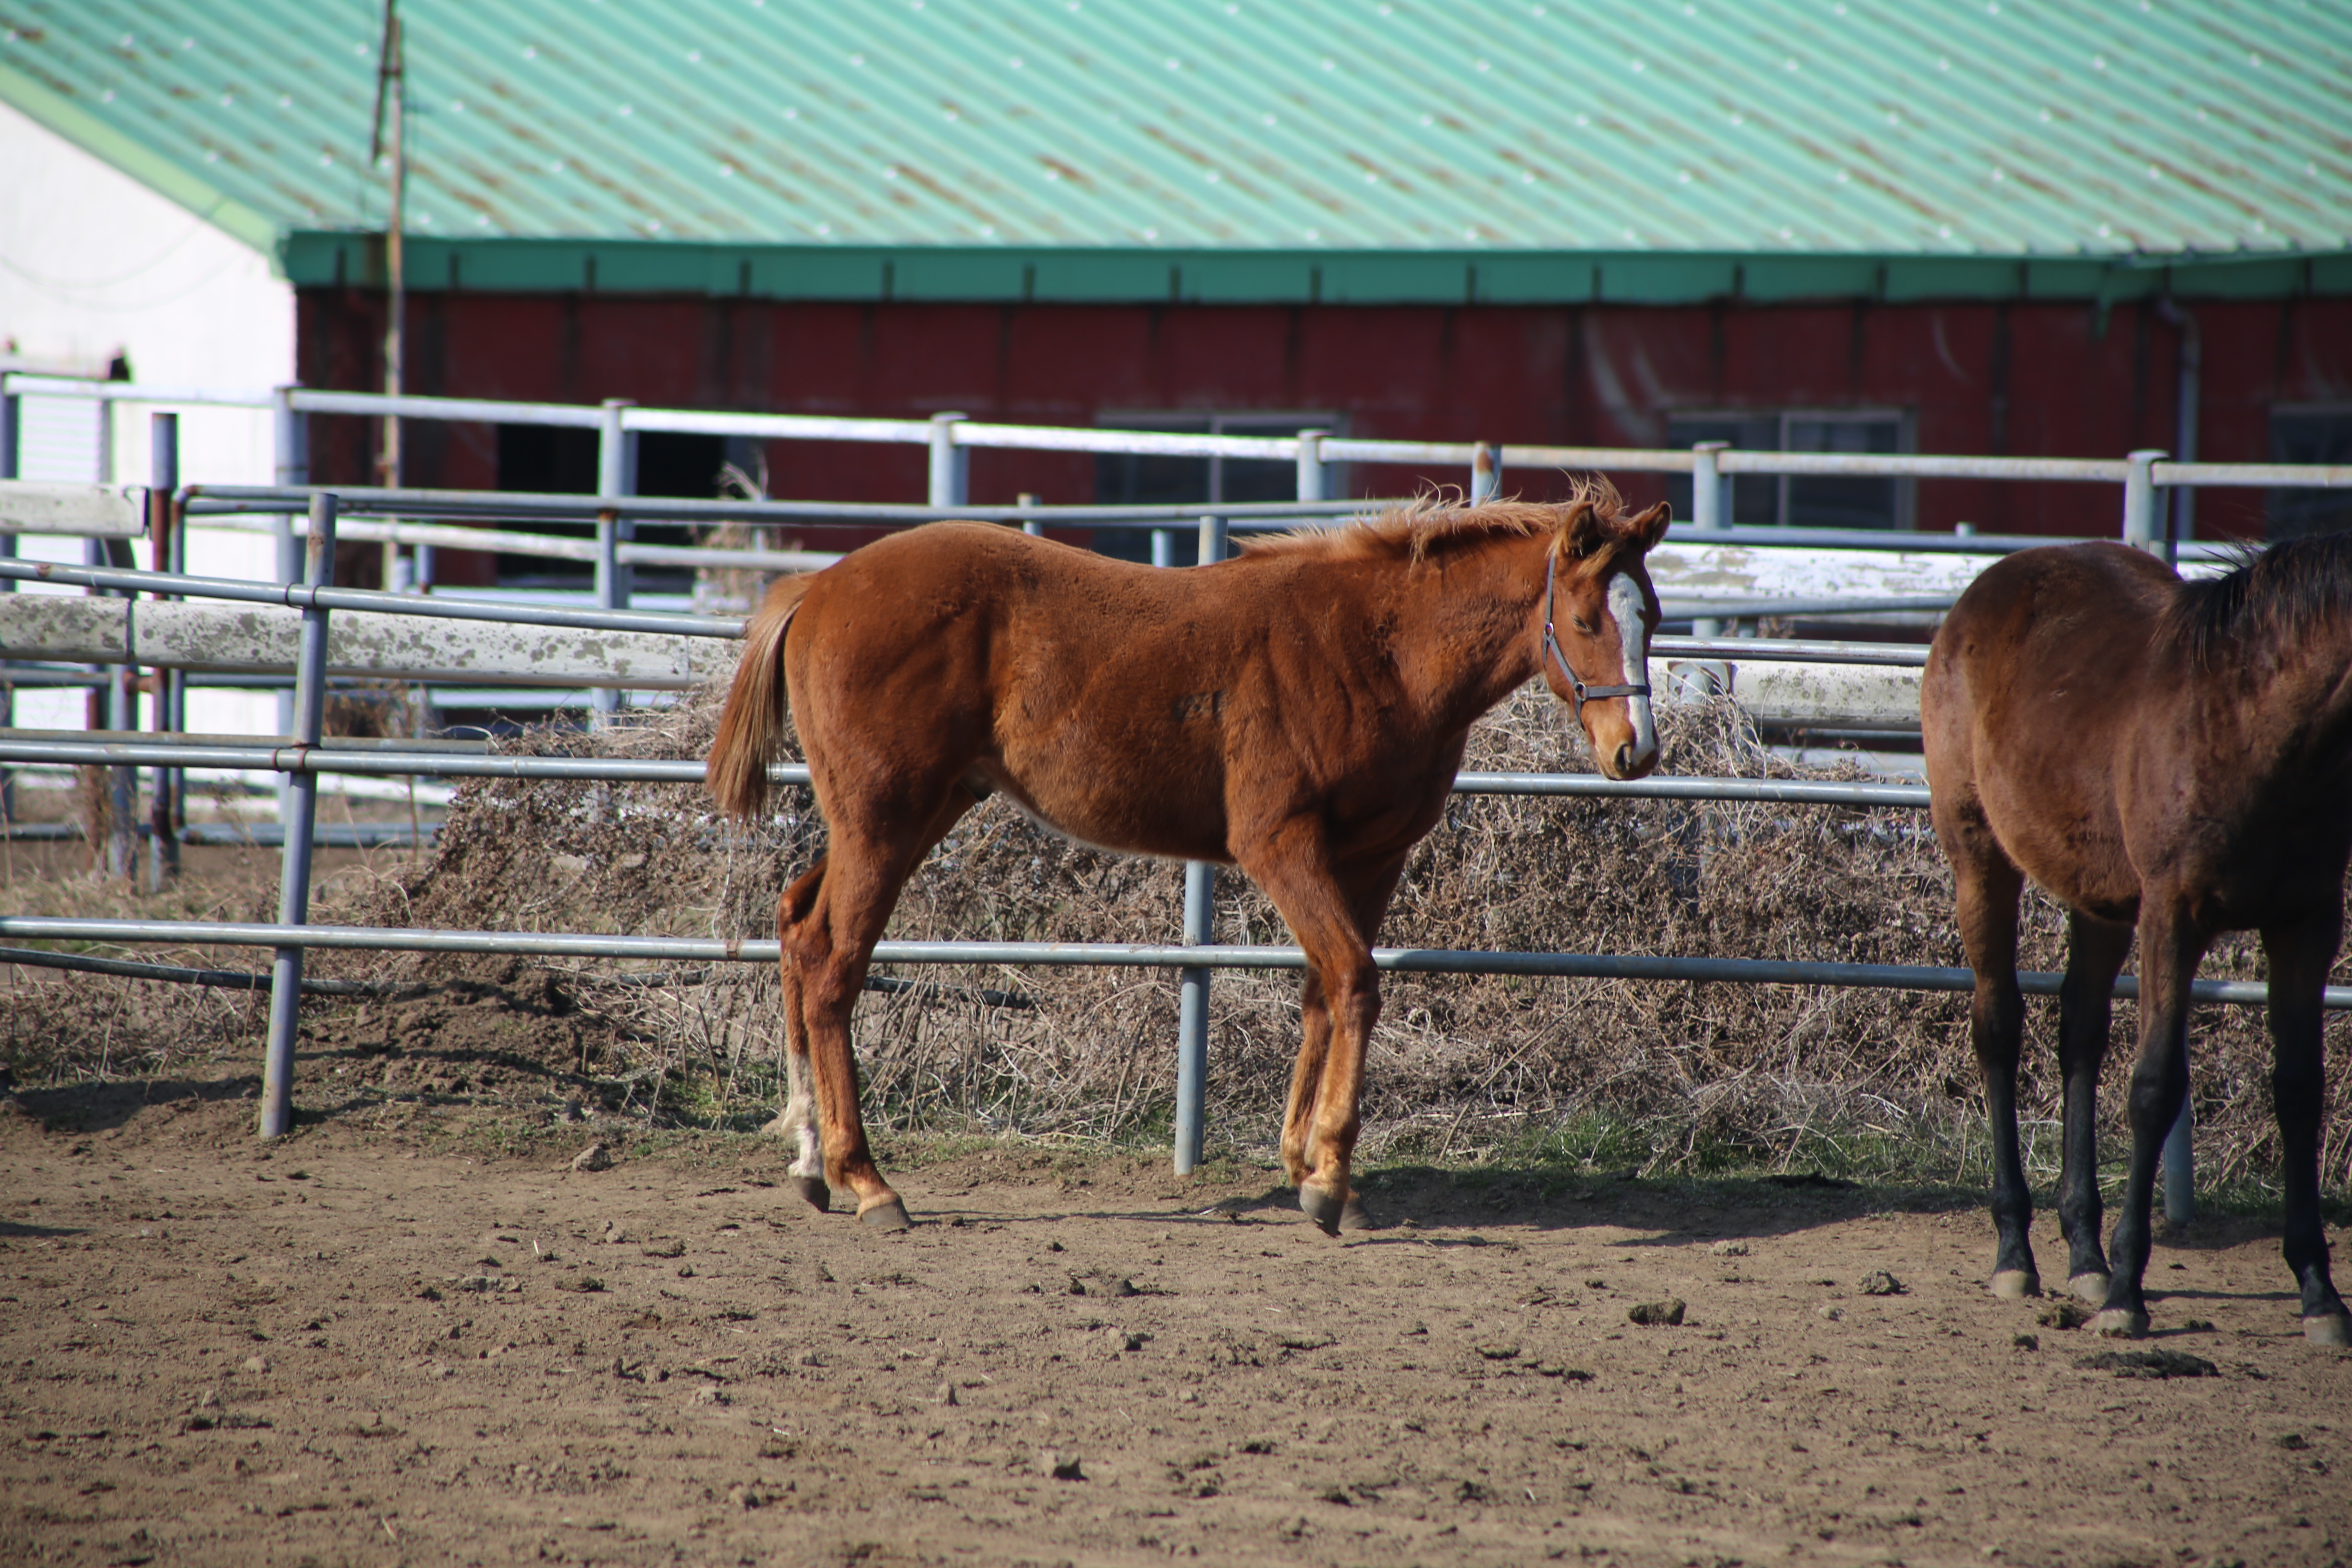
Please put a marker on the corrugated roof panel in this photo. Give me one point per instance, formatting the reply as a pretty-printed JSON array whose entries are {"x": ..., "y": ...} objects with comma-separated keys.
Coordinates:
[{"x": 1887, "y": 127}]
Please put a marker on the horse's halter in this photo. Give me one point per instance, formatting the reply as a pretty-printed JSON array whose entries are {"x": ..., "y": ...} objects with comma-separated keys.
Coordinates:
[{"x": 1551, "y": 648}]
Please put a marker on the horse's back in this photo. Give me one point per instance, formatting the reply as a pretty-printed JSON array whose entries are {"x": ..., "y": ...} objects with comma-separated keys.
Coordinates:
[{"x": 2036, "y": 688}]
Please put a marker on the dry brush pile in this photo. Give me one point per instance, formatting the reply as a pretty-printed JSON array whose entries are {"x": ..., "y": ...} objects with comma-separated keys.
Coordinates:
[{"x": 1654, "y": 1075}]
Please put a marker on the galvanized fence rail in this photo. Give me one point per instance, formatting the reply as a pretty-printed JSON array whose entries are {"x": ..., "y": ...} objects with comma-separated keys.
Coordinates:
[{"x": 949, "y": 438}]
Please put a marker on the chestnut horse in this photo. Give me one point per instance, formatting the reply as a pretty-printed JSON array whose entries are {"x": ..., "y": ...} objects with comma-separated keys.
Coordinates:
[
  {"x": 2174, "y": 757},
  {"x": 1298, "y": 710}
]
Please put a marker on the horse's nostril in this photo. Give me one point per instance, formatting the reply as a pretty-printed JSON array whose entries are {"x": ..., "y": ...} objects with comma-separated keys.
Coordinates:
[{"x": 1625, "y": 759}]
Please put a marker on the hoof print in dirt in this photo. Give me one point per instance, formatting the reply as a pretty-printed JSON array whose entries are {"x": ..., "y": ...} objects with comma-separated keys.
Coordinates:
[
  {"x": 1730, "y": 1249},
  {"x": 2026, "y": 1342},
  {"x": 2068, "y": 1314},
  {"x": 1666, "y": 1314},
  {"x": 2148, "y": 1363},
  {"x": 1879, "y": 1282},
  {"x": 596, "y": 1157},
  {"x": 1064, "y": 1467}
]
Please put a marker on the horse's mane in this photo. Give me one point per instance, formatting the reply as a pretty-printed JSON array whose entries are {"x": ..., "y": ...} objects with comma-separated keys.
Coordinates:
[
  {"x": 2273, "y": 598},
  {"x": 1412, "y": 530}
]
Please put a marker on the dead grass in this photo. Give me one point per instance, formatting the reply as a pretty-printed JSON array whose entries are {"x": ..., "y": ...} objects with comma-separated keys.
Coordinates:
[{"x": 1661, "y": 1076}]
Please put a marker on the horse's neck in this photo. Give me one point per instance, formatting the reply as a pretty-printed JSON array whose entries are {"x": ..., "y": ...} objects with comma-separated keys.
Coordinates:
[
  {"x": 2299, "y": 709},
  {"x": 1471, "y": 625}
]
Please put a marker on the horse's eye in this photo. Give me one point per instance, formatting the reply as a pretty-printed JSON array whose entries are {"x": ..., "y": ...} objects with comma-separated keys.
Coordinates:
[{"x": 1582, "y": 624}]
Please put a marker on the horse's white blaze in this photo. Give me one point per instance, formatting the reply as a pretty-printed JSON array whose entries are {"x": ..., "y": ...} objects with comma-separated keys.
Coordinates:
[{"x": 1633, "y": 633}]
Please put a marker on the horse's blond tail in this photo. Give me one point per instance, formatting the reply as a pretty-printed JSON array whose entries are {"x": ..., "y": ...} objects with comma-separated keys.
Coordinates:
[{"x": 751, "y": 725}]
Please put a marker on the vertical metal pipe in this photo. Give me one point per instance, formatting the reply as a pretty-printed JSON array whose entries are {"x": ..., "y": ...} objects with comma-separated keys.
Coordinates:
[
  {"x": 1031, "y": 526},
  {"x": 1163, "y": 547},
  {"x": 2181, "y": 1167},
  {"x": 2139, "y": 499},
  {"x": 1485, "y": 472},
  {"x": 290, "y": 436},
  {"x": 950, "y": 464},
  {"x": 9, "y": 412},
  {"x": 294, "y": 878},
  {"x": 616, "y": 476},
  {"x": 1193, "y": 984},
  {"x": 162, "y": 479},
  {"x": 1314, "y": 479},
  {"x": 121, "y": 784},
  {"x": 1707, "y": 511}
]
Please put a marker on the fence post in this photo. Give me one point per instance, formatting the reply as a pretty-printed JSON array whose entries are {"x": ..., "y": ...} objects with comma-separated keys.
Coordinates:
[
  {"x": 1485, "y": 472},
  {"x": 1314, "y": 477},
  {"x": 1706, "y": 511},
  {"x": 2179, "y": 1163},
  {"x": 8, "y": 416},
  {"x": 1193, "y": 984},
  {"x": 2140, "y": 532},
  {"x": 289, "y": 430},
  {"x": 2140, "y": 500},
  {"x": 950, "y": 483},
  {"x": 616, "y": 476},
  {"x": 1031, "y": 526},
  {"x": 301, "y": 819},
  {"x": 163, "y": 518}
]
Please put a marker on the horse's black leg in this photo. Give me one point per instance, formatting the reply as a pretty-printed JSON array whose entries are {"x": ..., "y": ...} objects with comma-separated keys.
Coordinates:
[
  {"x": 2094, "y": 953},
  {"x": 2299, "y": 956},
  {"x": 1988, "y": 886},
  {"x": 2170, "y": 943}
]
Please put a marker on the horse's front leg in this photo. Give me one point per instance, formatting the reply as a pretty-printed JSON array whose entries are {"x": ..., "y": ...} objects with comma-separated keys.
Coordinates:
[
  {"x": 2299, "y": 956},
  {"x": 1306, "y": 1077},
  {"x": 2170, "y": 943},
  {"x": 2095, "y": 955},
  {"x": 1293, "y": 865}
]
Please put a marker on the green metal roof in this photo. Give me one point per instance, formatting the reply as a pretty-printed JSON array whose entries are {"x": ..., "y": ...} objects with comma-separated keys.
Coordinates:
[{"x": 1339, "y": 149}]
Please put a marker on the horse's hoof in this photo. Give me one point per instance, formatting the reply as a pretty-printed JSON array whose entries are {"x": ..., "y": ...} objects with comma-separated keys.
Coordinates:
[
  {"x": 2119, "y": 1324},
  {"x": 1355, "y": 1217},
  {"x": 1327, "y": 1210},
  {"x": 2090, "y": 1287},
  {"x": 819, "y": 1196},
  {"x": 2332, "y": 1331},
  {"x": 2017, "y": 1284},
  {"x": 887, "y": 1215}
]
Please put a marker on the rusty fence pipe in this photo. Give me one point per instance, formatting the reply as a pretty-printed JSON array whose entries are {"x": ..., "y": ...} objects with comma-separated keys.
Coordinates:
[{"x": 301, "y": 818}]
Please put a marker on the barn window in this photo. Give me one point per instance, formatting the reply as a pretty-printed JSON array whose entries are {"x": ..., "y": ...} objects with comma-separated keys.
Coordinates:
[
  {"x": 2309, "y": 434},
  {"x": 1802, "y": 500}
]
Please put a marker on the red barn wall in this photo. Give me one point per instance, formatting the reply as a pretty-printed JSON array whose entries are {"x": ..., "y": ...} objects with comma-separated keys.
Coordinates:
[{"x": 2023, "y": 379}]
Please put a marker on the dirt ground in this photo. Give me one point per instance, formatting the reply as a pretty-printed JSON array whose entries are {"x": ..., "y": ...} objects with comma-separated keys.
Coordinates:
[{"x": 366, "y": 1345}]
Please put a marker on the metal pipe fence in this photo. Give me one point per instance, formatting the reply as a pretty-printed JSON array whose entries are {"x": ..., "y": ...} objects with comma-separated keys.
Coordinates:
[{"x": 949, "y": 438}]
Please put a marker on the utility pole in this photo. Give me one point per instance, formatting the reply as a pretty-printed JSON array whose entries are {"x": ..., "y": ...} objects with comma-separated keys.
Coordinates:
[{"x": 390, "y": 104}]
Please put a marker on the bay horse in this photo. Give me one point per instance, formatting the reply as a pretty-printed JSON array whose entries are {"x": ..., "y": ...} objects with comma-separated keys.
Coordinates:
[
  {"x": 1298, "y": 710},
  {"x": 2167, "y": 757}
]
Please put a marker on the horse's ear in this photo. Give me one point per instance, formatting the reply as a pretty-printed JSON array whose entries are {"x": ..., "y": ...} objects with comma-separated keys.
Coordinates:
[
  {"x": 1651, "y": 527},
  {"x": 1584, "y": 533}
]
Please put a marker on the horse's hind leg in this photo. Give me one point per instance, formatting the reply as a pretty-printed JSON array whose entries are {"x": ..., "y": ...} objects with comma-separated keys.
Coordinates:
[
  {"x": 2094, "y": 953},
  {"x": 829, "y": 945},
  {"x": 2299, "y": 956},
  {"x": 1988, "y": 884},
  {"x": 798, "y": 1119}
]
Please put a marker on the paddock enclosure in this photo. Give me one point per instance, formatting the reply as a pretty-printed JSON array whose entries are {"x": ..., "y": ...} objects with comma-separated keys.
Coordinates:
[{"x": 1627, "y": 1031}]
